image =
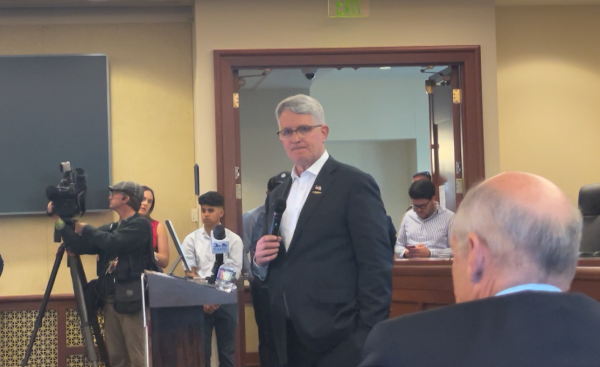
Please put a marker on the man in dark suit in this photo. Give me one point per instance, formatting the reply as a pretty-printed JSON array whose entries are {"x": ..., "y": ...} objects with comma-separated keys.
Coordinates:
[
  {"x": 329, "y": 273},
  {"x": 515, "y": 240}
]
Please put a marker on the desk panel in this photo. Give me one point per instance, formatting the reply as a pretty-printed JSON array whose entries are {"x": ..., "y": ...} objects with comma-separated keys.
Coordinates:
[{"x": 424, "y": 284}]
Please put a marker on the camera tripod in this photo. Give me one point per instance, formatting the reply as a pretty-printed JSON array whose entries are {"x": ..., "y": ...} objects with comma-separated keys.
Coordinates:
[{"x": 87, "y": 324}]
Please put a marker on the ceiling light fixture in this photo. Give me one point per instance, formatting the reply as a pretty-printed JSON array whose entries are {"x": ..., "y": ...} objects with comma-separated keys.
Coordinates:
[{"x": 385, "y": 67}]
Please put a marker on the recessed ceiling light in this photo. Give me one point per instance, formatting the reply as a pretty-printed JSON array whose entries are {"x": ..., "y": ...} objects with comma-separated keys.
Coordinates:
[{"x": 385, "y": 67}]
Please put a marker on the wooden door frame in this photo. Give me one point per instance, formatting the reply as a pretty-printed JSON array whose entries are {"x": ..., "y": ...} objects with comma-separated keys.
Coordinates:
[{"x": 227, "y": 129}]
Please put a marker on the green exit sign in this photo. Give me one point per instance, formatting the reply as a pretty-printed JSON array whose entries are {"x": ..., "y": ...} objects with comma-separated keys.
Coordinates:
[{"x": 348, "y": 8}]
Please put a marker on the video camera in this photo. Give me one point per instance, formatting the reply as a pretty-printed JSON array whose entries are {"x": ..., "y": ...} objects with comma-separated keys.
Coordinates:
[{"x": 68, "y": 197}]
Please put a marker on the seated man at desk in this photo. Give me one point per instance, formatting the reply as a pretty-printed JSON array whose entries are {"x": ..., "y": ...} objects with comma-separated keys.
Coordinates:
[
  {"x": 197, "y": 251},
  {"x": 516, "y": 239},
  {"x": 424, "y": 230}
]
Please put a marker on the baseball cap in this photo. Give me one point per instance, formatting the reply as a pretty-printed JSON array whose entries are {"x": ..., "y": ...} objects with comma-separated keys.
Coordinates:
[{"x": 130, "y": 188}]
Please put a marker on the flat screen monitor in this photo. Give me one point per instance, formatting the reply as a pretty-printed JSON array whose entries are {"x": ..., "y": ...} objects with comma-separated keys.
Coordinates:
[{"x": 177, "y": 244}]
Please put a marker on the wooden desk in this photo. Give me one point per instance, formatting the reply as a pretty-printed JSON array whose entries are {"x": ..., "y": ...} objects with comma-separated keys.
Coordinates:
[{"x": 424, "y": 284}]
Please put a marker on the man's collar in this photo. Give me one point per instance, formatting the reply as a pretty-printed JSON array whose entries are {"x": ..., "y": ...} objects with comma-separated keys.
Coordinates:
[
  {"x": 203, "y": 231},
  {"x": 134, "y": 215},
  {"x": 538, "y": 287},
  {"x": 315, "y": 168}
]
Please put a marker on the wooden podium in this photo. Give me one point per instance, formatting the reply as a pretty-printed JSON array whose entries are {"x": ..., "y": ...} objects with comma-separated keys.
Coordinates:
[{"x": 176, "y": 318}]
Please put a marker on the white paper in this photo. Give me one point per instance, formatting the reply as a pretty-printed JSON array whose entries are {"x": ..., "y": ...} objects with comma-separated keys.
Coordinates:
[{"x": 442, "y": 191}]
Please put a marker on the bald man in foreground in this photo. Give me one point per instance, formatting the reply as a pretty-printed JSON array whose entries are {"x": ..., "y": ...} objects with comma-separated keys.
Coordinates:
[{"x": 515, "y": 240}]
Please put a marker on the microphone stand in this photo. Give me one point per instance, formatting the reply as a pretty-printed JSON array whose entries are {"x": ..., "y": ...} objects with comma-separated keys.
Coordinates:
[{"x": 218, "y": 262}]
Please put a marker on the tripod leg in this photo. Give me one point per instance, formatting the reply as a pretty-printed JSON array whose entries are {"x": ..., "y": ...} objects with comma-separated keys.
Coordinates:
[
  {"x": 38, "y": 321},
  {"x": 92, "y": 309},
  {"x": 99, "y": 340},
  {"x": 86, "y": 331}
]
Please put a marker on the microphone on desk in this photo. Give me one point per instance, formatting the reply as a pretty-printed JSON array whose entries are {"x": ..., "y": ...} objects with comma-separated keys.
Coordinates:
[
  {"x": 278, "y": 209},
  {"x": 218, "y": 246}
]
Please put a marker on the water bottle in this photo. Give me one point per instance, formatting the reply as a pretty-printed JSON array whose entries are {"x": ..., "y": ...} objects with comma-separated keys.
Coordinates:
[{"x": 226, "y": 278}]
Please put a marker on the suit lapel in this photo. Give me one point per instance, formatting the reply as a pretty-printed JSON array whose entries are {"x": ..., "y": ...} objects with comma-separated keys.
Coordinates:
[{"x": 317, "y": 191}]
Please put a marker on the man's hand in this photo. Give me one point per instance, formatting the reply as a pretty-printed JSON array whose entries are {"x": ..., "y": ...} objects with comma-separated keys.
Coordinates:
[
  {"x": 79, "y": 227},
  {"x": 419, "y": 250},
  {"x": 209, "y": 309},
  {"x": 50, "y": 209},
  {"x": 266, "y": 249}
]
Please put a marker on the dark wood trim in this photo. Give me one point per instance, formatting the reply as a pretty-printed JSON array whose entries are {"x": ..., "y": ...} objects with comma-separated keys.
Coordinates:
[
  {"x": 5, "y": 300},
  {"x": 252, "y": 359},
  {"x": 473, "y": 150},
  {"x": 240, "y": 353}
]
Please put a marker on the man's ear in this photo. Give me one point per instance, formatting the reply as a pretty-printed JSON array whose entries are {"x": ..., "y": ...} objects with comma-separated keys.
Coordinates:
[
  {"x": 325, "y": 131},
  {"x": 478, "y": 257},
  {"x": 221, "y": 213}
]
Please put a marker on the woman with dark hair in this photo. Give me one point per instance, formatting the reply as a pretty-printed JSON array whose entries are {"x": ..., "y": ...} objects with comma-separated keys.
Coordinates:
[{"x": 160, "y": 241}]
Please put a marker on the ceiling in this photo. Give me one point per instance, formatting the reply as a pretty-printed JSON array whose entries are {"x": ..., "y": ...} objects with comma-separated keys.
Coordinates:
[
  {"x": 143, "y": 3},
  {"x": 295, "y": 78},
  {"x": 545, "y": 2},
  {"x": 91, "y": 3}
]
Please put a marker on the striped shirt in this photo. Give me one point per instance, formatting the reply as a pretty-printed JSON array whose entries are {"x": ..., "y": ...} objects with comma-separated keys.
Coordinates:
[{"x": 433, "y": 232}]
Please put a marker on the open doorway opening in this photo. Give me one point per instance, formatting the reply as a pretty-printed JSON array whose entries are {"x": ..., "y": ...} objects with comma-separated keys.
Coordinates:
[
  {"x": 228, "y": 63},
  {"x": 378, "y": 117}
]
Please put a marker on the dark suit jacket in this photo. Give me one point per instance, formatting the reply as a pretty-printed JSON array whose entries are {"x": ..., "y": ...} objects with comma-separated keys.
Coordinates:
[
  {"x": 525, "y": 329},
  {"x": 336, "y": 274}
]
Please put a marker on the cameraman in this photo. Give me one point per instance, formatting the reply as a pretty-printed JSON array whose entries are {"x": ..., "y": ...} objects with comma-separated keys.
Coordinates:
[{"x": 124, "y": 250}]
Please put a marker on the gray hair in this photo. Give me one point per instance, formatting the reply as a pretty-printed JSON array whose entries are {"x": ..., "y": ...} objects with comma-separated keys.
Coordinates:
[
  {"x": 301, "y": 104},
  {"x": 514, "y": 234}
]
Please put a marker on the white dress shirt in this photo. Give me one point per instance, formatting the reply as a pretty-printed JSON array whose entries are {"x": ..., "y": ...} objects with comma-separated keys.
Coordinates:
[
  {"x": 301, "y": 187},
  {"x": 433, "y": 232},
  {"x": 197, "y": 252}
]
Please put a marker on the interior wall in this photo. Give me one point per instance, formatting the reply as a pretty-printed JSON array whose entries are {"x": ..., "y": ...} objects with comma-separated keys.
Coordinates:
[
  {"x": 305, "y": 24},
  {"x": 150, "y": 60},
  {"x": 390, "y": 162},
  {"x": 377, "y": 108},
  {"x": 548, "y": 92},
  {"x": 263, "y": 155}
]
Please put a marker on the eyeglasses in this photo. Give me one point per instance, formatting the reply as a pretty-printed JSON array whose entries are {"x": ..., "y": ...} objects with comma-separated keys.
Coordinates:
[
  {"x": 302, "y": 130},
  {"x": 422, "y": 206}
]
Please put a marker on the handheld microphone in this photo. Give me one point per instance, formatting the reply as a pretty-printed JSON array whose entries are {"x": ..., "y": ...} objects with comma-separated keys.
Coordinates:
[
  {"x": 278, "y": 209},
  {"x": 218, "y": 246}
]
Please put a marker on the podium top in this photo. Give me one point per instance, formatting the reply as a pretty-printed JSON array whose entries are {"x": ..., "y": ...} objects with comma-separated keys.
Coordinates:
[{"x": 168, "y": 291}]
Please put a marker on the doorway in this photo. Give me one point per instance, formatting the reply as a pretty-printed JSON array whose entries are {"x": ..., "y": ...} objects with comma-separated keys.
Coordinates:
[
  {"x": 227, "y": 63},
  {"x": 378, "y": 120}
]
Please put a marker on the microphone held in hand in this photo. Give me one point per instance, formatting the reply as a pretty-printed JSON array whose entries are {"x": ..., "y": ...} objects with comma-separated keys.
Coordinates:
[{"x": 278, "y": 209}]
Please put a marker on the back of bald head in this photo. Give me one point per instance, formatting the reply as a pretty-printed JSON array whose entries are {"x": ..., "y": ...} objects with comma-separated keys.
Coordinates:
[{"x": 527, "y": 222}]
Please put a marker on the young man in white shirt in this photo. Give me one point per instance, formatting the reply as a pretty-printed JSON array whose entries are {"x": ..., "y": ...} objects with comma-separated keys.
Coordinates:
[{"x": 197, "y": 251}]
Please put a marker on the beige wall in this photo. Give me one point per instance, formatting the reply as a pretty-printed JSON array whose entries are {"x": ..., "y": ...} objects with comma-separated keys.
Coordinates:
[
  {"x": 240, "y": 24},
  {"x": 548, "y": 93},
  {"x": 151, "y": 100}
]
